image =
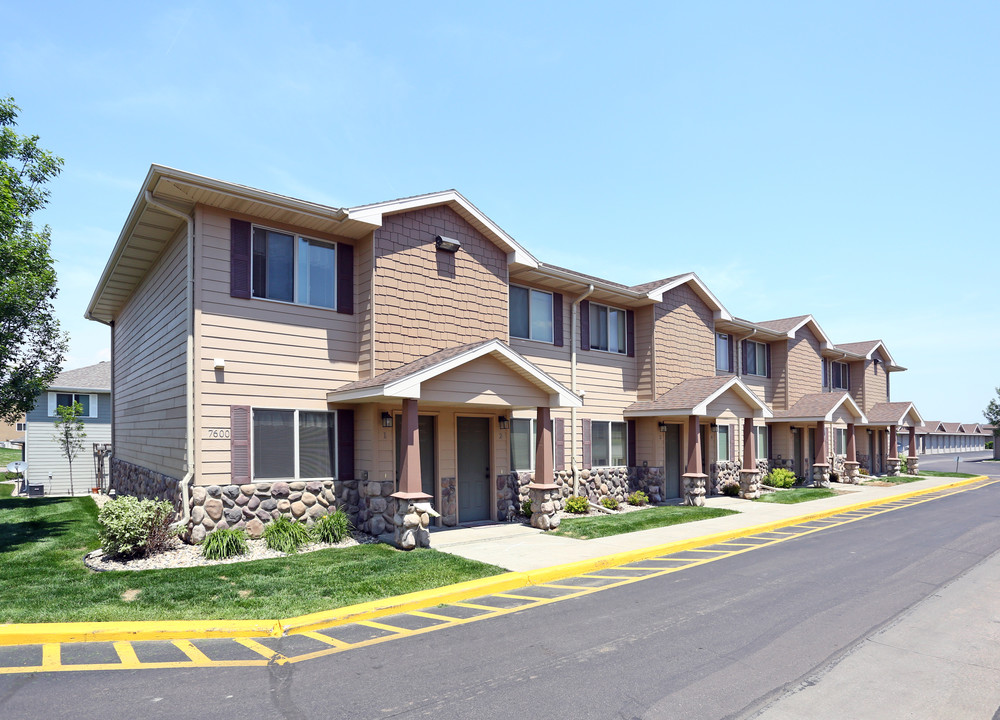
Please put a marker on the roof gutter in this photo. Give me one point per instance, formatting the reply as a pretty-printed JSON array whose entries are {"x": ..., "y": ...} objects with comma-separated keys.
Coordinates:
[
  {"x": 574, "y": 314},
  {"x": 189, "y": 359}
]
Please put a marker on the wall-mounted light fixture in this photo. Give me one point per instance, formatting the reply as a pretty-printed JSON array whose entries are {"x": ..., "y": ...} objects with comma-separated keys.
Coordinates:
[
  {"x": 447, "y": 244},
  {"x": 386, "y": 420},
  {"x": 220, "y": 363},
  {"x": 503, "y": 422},
  {"x": 714, "y": 427},
  {"x": 663, "y": 426}
]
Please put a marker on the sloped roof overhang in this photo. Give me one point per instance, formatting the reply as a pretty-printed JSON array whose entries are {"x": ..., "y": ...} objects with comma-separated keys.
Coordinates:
[
  {"x": 681, "y": 401},
  {"x": 805, "y": 410},
  {"x": 895, "y": 413}
]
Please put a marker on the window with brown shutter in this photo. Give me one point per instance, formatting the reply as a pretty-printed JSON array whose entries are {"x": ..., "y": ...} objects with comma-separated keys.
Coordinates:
[{"x": 239, "y": 443}]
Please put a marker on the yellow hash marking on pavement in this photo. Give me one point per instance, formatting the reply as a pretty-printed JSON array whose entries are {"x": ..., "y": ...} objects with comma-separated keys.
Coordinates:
[
  {"x": 51, "y": 655},
  {"x": 260, "y": 649},
  {"x": 126, "y": 653},
  {"x": 616, "y": 577},
  {"x": 188, "y": 648},
  {"x": 382, "y": 626},
  {"x": 432, "y": 616},
  {"x": 512, "y": 596},
  {"x": 326, "y": 638},
  {"x": 475, "y": 607}
]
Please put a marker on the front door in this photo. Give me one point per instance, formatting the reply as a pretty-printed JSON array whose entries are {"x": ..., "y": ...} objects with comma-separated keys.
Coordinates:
[
  {"x": 672, "y": 466},
  {"x": 797, "y": 453},
  {"x": 812, "y": 453},
  {"x": 473, "y": 469},
  {"x": 428, "y": 445}
]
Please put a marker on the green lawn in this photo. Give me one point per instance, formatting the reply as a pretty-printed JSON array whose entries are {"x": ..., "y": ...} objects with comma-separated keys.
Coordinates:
[
  {"x": 43, "y": 579},
  {"x": 585, "y": 528},
  {"x": 7, "y": 455},
  {"x": 796, "y": 495},
  {"x": 935, "y": 473}
]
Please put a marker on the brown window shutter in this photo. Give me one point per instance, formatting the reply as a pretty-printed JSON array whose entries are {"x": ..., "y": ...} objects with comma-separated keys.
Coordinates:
[
  {"x": 559, "y": 443},
  {"x": 769, "y": 440},
  {"x": 345, "y": 278},
  {"x": 630, "y": 444},
  {"x": 557, "y": 319},
  {"x": 239, "y": 259},
  {"x": 587, "y": 443},
  {"x": 767, "y": 355},
  {"x": 826, "y": 382},
  {"x": 240, "y": 430},
  {"x": 585, "y": 325},
  {"x": 345, "y": 444},
  {"x": 630, "y": 332},
  {"x": 745, "y": 345},
  {"x": 732, "y": 442}
]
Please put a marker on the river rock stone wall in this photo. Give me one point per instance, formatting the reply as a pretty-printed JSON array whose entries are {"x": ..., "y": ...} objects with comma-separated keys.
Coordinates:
[
  {"x": 725, "y": 472},
  {"x": 650, "y": 480},
  {"x": 143, "y": 483}
]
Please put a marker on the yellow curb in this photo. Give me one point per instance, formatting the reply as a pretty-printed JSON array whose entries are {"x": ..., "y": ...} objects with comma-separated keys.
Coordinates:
[{"x": 38, "y": 633}]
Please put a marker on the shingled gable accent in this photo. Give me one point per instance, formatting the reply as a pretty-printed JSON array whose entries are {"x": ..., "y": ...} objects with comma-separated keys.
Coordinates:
[
  {"x": 894, "y": 413},
  {"x": 818, "y": 407},
  {"x": 405, "y": 381},
  {"x": 692, "y": 397}
]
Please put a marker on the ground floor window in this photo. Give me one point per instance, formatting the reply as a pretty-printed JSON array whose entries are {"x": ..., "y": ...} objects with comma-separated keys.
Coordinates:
[
  {"x": 723, "y": 436},
  {"x": 294, "y": 444},
  {"x": 522, "y": 443},
  {"x": 839, "y": 441},
  {"x": 760, "y": 439},
  {"x": 609, "y": 443}
]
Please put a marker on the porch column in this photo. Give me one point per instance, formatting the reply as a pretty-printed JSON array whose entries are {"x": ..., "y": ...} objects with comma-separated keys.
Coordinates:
[
  {"x": 749, "y": 475},
  {"x": 892, "y": 461},
  {"x": 413, "y": 511},
  {"x": 911, "y": 455},
  {"x": 821, "y": 468},
  {"x": 694, "y": 478},
  {"x": 851, "y": 465},
  {"x": 543, "y": 491}
]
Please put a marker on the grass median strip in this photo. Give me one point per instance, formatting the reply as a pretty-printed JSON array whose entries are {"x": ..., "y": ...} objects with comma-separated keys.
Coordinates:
[
  {"x": 585, "y": 528},
  {"x": 796, "y": 495},
  {"x": 937, "y": 473},
  {"x": 43, "y": 579}
]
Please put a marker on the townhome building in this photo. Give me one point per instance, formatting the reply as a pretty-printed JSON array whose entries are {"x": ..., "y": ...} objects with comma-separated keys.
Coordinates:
[{"x": 409, "y": 359}]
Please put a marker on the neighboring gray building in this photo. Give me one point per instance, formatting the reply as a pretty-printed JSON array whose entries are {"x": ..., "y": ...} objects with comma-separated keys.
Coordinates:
[{"x": 47, "y": 466}]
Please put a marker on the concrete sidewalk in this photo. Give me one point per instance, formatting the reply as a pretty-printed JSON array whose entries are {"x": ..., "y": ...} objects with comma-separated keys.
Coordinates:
[{"x": 521, "y": 548}]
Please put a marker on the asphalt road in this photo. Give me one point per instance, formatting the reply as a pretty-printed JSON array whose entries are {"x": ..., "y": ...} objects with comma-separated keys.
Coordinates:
[{"x": 725, "y": 639}]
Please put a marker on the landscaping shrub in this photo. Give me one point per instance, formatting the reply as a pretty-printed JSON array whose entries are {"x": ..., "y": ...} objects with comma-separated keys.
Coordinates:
[
  {"x": 577, "y": 504},
  {"x": 638, "y": 498},
  {"x": 130, "y": 527},
  {"x": 333, "y": 527},
  {"x": 610, "y": 503},
  {"x": 862, "y": 471},
  {"x": 780, "y": 478},
  {"x": 732, "y": 489},
  {"x": 526, "y": 508},
  {"x": 285, "y": 536},
  {"x": 224, "y": 543},
  {"x": 904, "y": 467}
]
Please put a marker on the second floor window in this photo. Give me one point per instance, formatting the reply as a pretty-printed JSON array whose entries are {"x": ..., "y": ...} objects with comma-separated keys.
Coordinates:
[
  {"x": 756, "y": 359},
  {"x": 531, "y": 314},
  {"x": 607, "y": 329},
  {"x": 723, "y": 358},
  {"x": 293, "y": 269},
  {"x": 840, "y": 376}
]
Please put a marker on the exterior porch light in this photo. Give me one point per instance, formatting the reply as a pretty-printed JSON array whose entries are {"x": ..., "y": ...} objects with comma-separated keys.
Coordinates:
[
  {"x": 447, "y": 244},
  {"x": 663, "y": 426},
  {"x": 386, "y": 420},
  {"x": 503, "y": 422}
]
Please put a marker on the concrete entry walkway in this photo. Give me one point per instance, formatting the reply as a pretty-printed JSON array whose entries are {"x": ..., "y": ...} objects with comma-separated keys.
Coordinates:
[{"x": 517, "y": 547}]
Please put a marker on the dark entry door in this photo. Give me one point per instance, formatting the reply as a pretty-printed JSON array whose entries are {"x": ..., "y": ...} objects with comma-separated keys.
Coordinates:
[
  {"x": 797, "y": 452},
  {"x": 812, "y": 453},
  {"x": 705, "y": 467},
  {"x": 428, "y": 445},
  {"x": 672, "y": 466},
  {"x": 473, "y": 469}
]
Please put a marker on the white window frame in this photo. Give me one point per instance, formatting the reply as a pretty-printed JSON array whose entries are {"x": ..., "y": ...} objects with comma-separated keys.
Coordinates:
[
  {"x": 296, "y": 238},
  {"x": 609, "y": 423},
  {"x": 295, "y": 436},
  {"x": 835, "y": 376},
  {"x": 760, "y": 439},
  {"x": 92, "y": 402},
  {"x": 533, "y": 430},
  {"x": 759, "y": 352},
  {"x": 720, "y": 431},
  {"x": 552, "y": 318},
  {"x": 839, "y": 441},
  {"x": 612, "y": 336},
  {"x": 727, "y": 338},
  {"x": 20, "y": 427}
]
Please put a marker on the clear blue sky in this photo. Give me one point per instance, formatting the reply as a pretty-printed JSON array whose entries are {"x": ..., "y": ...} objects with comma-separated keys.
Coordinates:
[{"x": 834, "y": 158}]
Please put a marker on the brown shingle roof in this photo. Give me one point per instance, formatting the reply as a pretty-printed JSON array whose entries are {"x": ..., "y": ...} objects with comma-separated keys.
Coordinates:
[
  {"x": 815, "y": 405},
  {"x": 685, "y": 396},
  {"x": 889, "y": 412},
  {"x": 646, "y": 287},
  {"x": 859, "y": 348},
  {"x": 783, "y": 324},
  {"x": 91, "y": 377},
  {"x": 951, "y": 428},
  {"x": 411, "y": 368}
]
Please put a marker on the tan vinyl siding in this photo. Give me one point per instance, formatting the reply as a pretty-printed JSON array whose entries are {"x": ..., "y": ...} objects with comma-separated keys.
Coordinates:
[
  {"x": 779, "y": 375},
  {"x": 684, "y": 339},
  {"x": 149, "y": 371},
  {"x": 729, "y": 404},
  {"x": 805, "y": 369},
  {"x": 857, "y": 370},
  {"x": 277, "y": 355},
  {"x": 644, "y": 356},
  {"x": 483, "y": 381},
  {"x": 428, "y": 300},
  {"x": 364, "y": 307},
  {"x": 875, "y": 385}
]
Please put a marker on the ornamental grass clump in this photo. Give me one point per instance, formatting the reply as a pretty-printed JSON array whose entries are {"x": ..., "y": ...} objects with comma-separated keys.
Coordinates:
[
  {"x": 285, "y": 536},
  {"x": 132, "y": 528},
  {"x": 332, "y": 528},
  {"x": 225, "y": 543}
]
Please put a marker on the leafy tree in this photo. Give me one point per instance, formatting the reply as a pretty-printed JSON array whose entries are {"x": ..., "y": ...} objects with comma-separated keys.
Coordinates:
[
  {"x": 992, "y": 415},
  {"x": 69, "y": 434},
  {"x": 31, "y": 345}
]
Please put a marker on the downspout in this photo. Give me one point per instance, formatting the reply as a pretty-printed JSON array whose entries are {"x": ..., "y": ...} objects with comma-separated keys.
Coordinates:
[
  {"x": 189, "y": 360},
  {"x": 574, "y": 315}
]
